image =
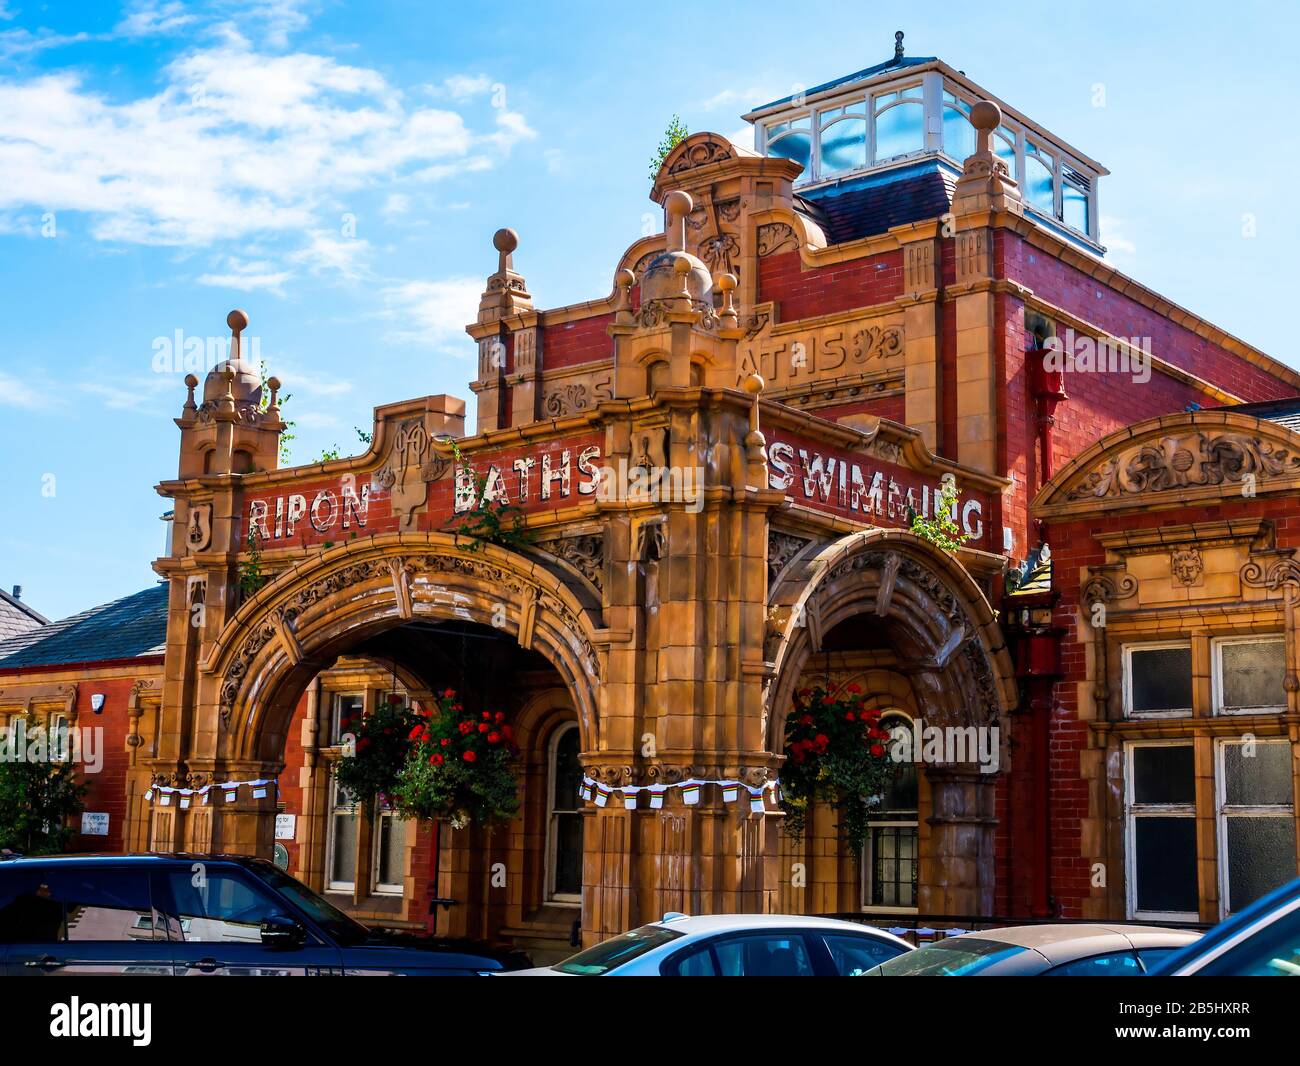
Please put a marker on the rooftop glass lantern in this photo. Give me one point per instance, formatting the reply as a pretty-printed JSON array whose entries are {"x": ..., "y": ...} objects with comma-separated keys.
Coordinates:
[{"x": 911, "y": 109}]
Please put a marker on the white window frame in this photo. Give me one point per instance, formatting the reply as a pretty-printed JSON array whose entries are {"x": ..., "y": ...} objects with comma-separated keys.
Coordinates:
[
  {"x": 1217, "y": 672},
  {"x": 384, "y": 888},
  {"x": 1164, "y": 645},
  {"x": 334, "y": 809},
  {"x": 1153, "y": 810},
  {"x": 562, "y": 899},
  {"x": 59, "y": 720},
  {"x": 1223, "y": 810},
  {"x": 336, "y": 713},
  {"x": 868, "y": 850}
]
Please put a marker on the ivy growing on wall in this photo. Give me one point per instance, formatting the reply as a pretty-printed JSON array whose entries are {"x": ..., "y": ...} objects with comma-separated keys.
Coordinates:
[
  {"x": 487, "y": 521},
  {"x": 943, "y": 530}
]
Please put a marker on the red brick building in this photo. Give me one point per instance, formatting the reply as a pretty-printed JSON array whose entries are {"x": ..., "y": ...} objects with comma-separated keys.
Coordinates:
[{"x": 905, "y": 283}]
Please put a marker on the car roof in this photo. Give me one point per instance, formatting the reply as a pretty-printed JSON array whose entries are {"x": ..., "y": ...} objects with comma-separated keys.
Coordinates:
[
  {"x": 1061, "y": 943},
  {"x": 725, "y": 923},
  {"x": 101, "y": 858}
]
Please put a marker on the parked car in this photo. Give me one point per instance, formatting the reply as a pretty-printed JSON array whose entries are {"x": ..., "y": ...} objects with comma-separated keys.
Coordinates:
[
  {"x": 733, "y": 945},
  {"x": 200, "y": 914},
  {"x": 1046, "y": 950},
  {"x": 1262, "y": 941}
]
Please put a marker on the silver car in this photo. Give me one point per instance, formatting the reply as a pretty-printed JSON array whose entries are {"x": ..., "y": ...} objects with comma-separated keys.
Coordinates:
[
  {"x": 733, "y": 945},
  {"x": 1081, "y": 950}
]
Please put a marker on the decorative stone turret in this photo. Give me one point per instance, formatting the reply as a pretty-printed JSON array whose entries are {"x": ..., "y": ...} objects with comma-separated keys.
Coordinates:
[
  {"x": 508, "y": 344},
  {"x": 986, "y": 183}
]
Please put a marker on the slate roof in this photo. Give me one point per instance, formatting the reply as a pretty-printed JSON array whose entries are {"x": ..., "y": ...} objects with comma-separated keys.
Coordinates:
[
  {"x": 124, "y": 629},
  {"x": 16, "y": 617},
  {"x": 1284, "y": 412},
  {"x": 848, "y": 79},
  {"x": 874, "y": 203}
]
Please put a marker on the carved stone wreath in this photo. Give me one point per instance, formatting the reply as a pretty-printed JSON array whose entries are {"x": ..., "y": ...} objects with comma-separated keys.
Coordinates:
[
  {"x": 585, "y": 553},
  {"x": 701, "y": 154},
  {"x": 776, "y": 237}
]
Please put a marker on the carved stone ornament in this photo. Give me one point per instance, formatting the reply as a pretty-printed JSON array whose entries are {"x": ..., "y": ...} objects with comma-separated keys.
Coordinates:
[
  {"x": 781, "y": 548},
  {"x": 198, "y": 527},
  {"x": 776, "y": 237},
  {"x": 585, "y": 553},
  {"x": 701, "y": 154},
  {"x": 1188, "y": 461},
  {"x": 1187, "y": 566}
]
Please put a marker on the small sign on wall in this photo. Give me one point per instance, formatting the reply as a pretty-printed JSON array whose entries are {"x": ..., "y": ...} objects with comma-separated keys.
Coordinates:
[
  {"x": 94, "y": 823},
  {"x": 285, "y": 826}
]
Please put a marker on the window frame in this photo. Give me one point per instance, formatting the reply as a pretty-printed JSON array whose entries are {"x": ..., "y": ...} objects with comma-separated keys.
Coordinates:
[
  {"x": 894, "y": 820},
  {"x": 1223, "y": 811},
  {"x": 1127, "y": 678},
  {"x": 377, "y": 887},
  {"x": 553, "y": 814},
  {"x": 1152, "y": 810},
  {"x": 333, "y": 812},
  {"x": 1217, "y": 673}
]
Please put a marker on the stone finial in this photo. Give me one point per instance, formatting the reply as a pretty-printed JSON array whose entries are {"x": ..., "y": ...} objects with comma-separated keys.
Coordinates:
[
  {"x": 623, "y": 282},
  {"x": 755, "y": 442},
  {"x": 505, "y": 294},
  {"x": 237, "y": 320},
  {"x": 986, "y": 183},
  {"x": 677, "y": 205},
  {"x": 191, "y": 383},
  {"x": 726, "y": 284},
  {"x": 273, "y": 407},
  {"x": 898, "y": 45}
]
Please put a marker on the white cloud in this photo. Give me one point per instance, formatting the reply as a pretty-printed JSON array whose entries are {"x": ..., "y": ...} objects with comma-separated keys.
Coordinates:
[
  {"x": 331, "y": 253},
  {"x": 22, "y": 43},
  {"x": 1112, "y": 236},
  {"x": 150, "y": 18},
  {"x": 247, "y": 276},
  {"x": 432, "y": 312},
  {"x": 238, "y": 143},
  {"x": 14, "y": 392},
  {"x": 6, "y": 12},
  {"x": 741, "y": 100},
  {"x": 465, "y": 86},
  {"x": 743, "y": 137}
]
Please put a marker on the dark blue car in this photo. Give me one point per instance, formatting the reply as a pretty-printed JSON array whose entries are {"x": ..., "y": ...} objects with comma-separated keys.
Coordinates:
[{"x": 1261, "y": 941}]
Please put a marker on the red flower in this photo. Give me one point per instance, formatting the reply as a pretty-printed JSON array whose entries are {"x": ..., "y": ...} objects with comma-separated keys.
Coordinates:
[
  {"x": 498, "y": 717},
  {"x": 854, "y": 688},
  {"x": 483, "y": 727},
  {"x": 827, "y": 700},
  {"x": 445, "y": 741},
  {"x": 449, "y": 694},
  {"x": 469, "y": 756},
  {"x": 435, "y": 759},
  {"x": 877, "y": 750},
  {"x": 415, "y": 733},
  {"x": 487, "y": 716},
  {"x": 850, "y": 717},
  {"x": 806, "y": 720},
  {"x": 821, "y": 741},
  {"x": 507, "y": 732},
  {"x": 457, "y": 707},
  {"x": 494, "y": 737},
  {"x": 465, "y": 727}
]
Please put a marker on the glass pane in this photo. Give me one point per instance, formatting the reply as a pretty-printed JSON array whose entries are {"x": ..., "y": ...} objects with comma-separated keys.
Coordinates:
[
  {"x": 1272, "y": 952},
  {"x": 1162, "y": 679},
  {"x": 1165, "y": 864},
  {"x": 1261, "y": 856},
  {"x": 568, "y": 854},
  {"x": 1074, "y": 207},
  {"x": 1257, "y": 780},
  {"x": 764, "y": 956},
  {"x": 1038, "y": 181},
  {"x": 567, "y": 773},
  {"x": 853, "y": 955},
  {"x": 1119, "y": 964},
  {"x": 697, "y": 964},
  {"x": 894, "y": 866},
  {"x": 900, "y": 130},
  {"x": 1253, "y": 674},
  {"x": 1164, "y": 774},
  {"x": 345, "y": 707},
  {"x": 104, "y": 905},
  {"x": 344, "y": 866},
  {"x": 958, "y": 133},
  {"x": 223, "y": 909},
  {"x": 796, "y": 146},
  {"x": 844, "y": 146},
  {"x": 603, "y": 957},
  {"x": 392, "y": 850}
]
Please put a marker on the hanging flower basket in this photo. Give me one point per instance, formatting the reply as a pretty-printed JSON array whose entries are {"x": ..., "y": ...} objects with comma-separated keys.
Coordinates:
[
  {"x": 370, "y": 765},
  {"x": 836, "y": 753},
  {"x": 458, "y": 766}
]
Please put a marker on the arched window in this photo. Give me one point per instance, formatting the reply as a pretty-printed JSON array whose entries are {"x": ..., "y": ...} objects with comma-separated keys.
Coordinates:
[
  {"x": 564, "y": 817},
  {"x": 899, "y": 119},
  {"x": 792, "y": 140},
  {"x": 891, "y": 859},
  {"x": 1040, "y": 178},
  {"x": 842, "y": 137},
  {"x": 958, "y": 133}
]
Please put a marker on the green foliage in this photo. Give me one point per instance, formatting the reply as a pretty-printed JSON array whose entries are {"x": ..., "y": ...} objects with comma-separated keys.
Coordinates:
[
  {"x": 38, "y": 798},
  {"x": 836, "y": 753},
  {"x": 673, "y": 136},
  {"x": 286, "y": 437},
  {"x": 488, "y": 521},
  {"x": 363, "y": 436},
  {"x": 250, "y": 577},
  {"x": 330, "y": 454},
  {"x": 942, "y": 530},
  {"x": 372, "y": 761},
  {"x": 459, "y": 767}
]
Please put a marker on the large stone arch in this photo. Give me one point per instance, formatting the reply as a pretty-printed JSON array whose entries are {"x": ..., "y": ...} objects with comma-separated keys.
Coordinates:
[
  {"x": 945, "y": 627},
  {"x": 310, "y": 613}
]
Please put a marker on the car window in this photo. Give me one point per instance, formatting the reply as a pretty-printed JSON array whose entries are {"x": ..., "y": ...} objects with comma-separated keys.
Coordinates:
[
  {"x": 1152, "y": 957},
  {"x": 603, "y": 957},
  {"x": 1114, "y": 964},
  {"x": 1274, "y": 951},
  {"x": 763, "y": 955},
  {"x": 345, "y": 930},
  {"x": 854, "y": 955},
  {"x": 219, "y": 906},
  {"x": 695, "y": 963},
  {"x": 955, "y": 957},
  {"x": 49, "y": 905}
]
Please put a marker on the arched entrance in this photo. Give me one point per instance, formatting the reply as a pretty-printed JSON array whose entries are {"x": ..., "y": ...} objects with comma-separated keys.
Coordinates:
[
  {"x": 889, "y": 612},
  {"x": 496, "y": 625}
]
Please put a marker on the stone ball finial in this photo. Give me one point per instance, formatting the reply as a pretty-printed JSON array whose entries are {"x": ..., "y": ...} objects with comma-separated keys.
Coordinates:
[
  {"x": 273, "y": 384},
  {"x": 682, "y": 265},
  {"x": 505, "y": 240},
  {"x": 624, "y": 279},
  {"x": 237, "y": 320},
  {"x": 754, "y": 384},
  {"x": 986, "y": 115},
  {"x": 725, "y": 282},
  {"x": 678, "y": 204},
  {"x": 191, "y": 382}
]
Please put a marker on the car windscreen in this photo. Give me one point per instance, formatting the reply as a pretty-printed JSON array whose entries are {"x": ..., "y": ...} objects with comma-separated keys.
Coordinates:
[
  {"x": 615, "y": 952},
  {"x": 955, "y": 957},
  {"x": 342, "y": 928}
]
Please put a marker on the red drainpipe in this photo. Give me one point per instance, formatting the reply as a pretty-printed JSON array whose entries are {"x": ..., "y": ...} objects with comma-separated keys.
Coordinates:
[{"x": 1048, "y": 386}]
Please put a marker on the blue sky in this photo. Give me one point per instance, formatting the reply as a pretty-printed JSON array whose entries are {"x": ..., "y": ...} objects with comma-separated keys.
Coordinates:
[{"x": 337, "y": 169}]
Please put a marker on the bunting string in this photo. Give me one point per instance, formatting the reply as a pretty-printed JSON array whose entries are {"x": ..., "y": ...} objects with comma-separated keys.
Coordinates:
[
  {"x": 591, "y": 789},
  {"x": 229, "y": 791}
]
